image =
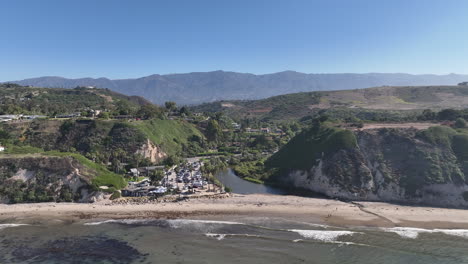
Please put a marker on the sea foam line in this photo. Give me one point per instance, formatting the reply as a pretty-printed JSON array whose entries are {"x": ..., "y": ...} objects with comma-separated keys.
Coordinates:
[
  {"x": 175, "y": 223},
  {"x": 121, "y": 221},
  {"x": 411, "y": 232},
  {"x": 222, "y": 236},
  {"x": 322, "y": 235},
  {"x": 2, "y": 226}
]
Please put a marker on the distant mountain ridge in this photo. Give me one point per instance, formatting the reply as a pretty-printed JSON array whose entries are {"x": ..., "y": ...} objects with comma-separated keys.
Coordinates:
[{"x": 200, "y": 87}]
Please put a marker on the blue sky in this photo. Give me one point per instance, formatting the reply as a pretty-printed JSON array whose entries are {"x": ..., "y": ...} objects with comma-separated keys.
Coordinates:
[{"x": 134, "y": 38}]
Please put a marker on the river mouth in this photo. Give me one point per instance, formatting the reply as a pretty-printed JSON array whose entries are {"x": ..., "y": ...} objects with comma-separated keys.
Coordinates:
[{"x": 229, "y": 179}]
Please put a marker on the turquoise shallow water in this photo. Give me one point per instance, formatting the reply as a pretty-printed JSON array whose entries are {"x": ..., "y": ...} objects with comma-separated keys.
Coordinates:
[{"x": 246, "y": 240}]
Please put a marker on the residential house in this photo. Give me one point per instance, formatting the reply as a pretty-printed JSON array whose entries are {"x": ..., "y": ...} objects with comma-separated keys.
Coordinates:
[{"x": 236, "y": 125}]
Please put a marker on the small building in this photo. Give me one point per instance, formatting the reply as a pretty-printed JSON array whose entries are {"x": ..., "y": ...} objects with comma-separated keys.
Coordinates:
[
  {"x": 134, "y": 172},
  {"x": 123, "y": 117},
  {"x": 2, "y": 148},
  {"x": 252, "y": 130},
  {"x": 6, "y": 118},
  {"x": 236, "y": 125},
  {"x": 265, "y": 130},
  {"x": 72, "y": 115}
]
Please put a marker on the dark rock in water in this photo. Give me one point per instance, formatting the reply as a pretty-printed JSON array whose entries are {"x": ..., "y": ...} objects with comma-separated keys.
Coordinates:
[{"x": 78, "y": 250}]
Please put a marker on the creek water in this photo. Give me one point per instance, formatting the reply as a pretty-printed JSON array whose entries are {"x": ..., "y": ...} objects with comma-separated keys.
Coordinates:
[{"x": 240, "y": 186}]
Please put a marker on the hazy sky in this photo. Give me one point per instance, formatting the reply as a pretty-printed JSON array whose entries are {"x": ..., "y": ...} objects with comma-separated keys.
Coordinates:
[{"x": 133, "y": 38}]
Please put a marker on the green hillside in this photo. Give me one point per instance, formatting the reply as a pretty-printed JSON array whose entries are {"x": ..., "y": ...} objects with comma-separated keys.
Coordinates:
[
  {"x": 370, "y": 100},
  {"x": 15, "y": 99},
  {"x": 169, "y": 134},
  {"x": 312, "y": 144},
  {"x": 102, "y": 139}
]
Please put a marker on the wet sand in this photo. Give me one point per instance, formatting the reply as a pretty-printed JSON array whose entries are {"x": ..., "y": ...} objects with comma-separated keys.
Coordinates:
[{"x": 310, "y": 210}]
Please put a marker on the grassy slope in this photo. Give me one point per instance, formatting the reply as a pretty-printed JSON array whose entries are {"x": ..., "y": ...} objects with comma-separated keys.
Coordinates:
[
  {"x": 103, "y": 175},
  {"x": 169, "y": 134},
  {"x": 304, "y": 149},
  {"x": 295, "y": 106},
  {"x": 61, "y": 101}
]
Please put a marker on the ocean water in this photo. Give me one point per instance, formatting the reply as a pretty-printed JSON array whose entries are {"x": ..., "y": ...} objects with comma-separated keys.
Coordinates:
[{"x": 241, "y": 240}]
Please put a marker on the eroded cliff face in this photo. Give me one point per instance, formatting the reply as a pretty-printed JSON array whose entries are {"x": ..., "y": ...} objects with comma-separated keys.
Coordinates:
[
  {"x": 43, "y": 179},
  {"x": 88, "y": 137},
  {"x": 394, "y": 165},
  {"x": 152, "y": 152}
]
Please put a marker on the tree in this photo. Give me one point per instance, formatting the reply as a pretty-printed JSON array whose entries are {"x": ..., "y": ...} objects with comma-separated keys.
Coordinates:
[
  {"x": 170, "y": 106},
  {"x": 124, "y": 108},
  {"x": 184, "y": 111},
  {"x": 4, "y": 137},
  {"x": 460, "y": 123},
  {"x": 156, "y": 176},
  {"x": 213, "y": 130},
  {"x": 172, "y": 160},
  {"x": 104, "y": 115},
  {"x": 149, "y": 111},
  {"x": 427, "y": 114},
  {"x": 448, "y": 114}
]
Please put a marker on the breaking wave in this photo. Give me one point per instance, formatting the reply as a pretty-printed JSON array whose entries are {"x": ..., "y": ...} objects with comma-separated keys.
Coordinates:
[
  {"x": 222, "y": 236},
  {"x": 407, "y": 232},
  {"x": 177, "y": 223},
  {"x": 322, "y": 235},
  {"x": 121, "y": 221},
  {"x": 3, "y": 226},
  {"x": 410, "y": 232}
]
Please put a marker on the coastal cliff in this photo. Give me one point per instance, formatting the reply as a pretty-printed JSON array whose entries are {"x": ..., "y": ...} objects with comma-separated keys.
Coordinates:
[
  {"x": 44, "y": 178},
  {"x": 392, "y": 165}
]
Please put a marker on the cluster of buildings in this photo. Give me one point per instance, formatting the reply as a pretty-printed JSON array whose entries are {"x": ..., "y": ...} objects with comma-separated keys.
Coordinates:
[
  {"x": 143, "y": 188},
  {"x": 191, "y": 178},
  {"x": 7, "y": 118},
  {"x": 266, "y": 130},
  {"x": 184, "y": 181},
  {"x": 72, "y": 115}
]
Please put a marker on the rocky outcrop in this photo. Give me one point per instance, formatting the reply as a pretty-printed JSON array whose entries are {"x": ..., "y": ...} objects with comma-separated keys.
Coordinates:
[
  {"x": 46, "y": 178},
  {"x": 392, "y": 165},
  {"x": 151, "y": 152}
]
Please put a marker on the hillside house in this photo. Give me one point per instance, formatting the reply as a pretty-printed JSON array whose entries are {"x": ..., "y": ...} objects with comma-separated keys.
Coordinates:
[
  {"x": 72, "y": 115},
  {"x": 252, "y": 130},
  {"x": 6, "y": 118},
  {"x": 123, "y": 117},
  {"x": 134, "y": 172},
  {"x": 236, "y": 125}
]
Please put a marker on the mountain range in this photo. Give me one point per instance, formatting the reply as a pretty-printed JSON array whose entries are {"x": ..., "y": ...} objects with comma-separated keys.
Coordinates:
[{"x": 199, "y": 87}]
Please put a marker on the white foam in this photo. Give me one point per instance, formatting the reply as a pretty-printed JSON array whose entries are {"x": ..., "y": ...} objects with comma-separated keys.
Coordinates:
[
  {"x": 222, "y": 236},
  {"x": 322, "y": 235},
  {"x": 407, "y": 232},
  {"x": 454, "y": 232},
  {"x": 217, "y": 236},
  {"x": 122, "y": 221},
  {"x": 177, "y": 223},
  {"x": 2, "y": 226},
  {"x": 411, "y": 232}
]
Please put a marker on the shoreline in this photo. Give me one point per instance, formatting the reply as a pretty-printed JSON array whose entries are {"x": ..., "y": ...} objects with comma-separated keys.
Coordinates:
[{"x": 236, "y": 206}]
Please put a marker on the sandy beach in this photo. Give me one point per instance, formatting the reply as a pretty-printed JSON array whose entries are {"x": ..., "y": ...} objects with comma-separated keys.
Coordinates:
[{"x": 311, "y": 210}]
